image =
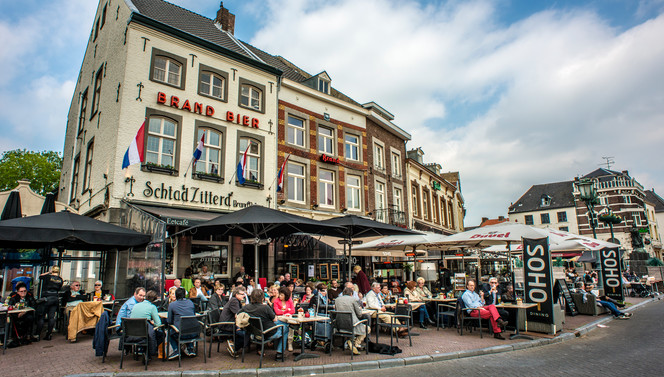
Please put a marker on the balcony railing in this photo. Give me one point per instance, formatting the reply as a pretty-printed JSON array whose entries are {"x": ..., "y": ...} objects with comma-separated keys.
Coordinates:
[{"x": 391, "y": 215}]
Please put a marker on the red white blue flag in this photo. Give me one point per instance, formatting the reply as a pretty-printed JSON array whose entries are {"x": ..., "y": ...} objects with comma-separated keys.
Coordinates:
[
  {"x": 280, "y": 176},
  {"x": 242, "y": 166},
  {"x": 135, "y": 153},
  {"x": 199, "y": 149}
]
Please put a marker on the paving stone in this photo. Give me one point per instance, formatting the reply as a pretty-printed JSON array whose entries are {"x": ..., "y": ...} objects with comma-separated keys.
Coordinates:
[
  {"x": 469, "y": 353},
  {"x": 417, "y": 360},
  {"x": 308, "y": 370},
  {"x": 275, "y": 372},
  {"x": 200, "y": 373},
  {"x": 336, "y": 368},
  {"x": 364, "y": 365},
  {"x": 521, "y": 345},
  {"x": 391, "y": 363},
  {"x": 238, "y": 372},
  {"x": 445, "y": 356},
  {"x": 498, "y": 349}
]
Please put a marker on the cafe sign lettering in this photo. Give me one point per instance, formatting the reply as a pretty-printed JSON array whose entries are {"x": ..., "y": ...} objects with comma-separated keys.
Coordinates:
[
  {"x": 191, "y": 194},
  {"x": 329, "y": 160},
  {"x": 207, "y": 110}
]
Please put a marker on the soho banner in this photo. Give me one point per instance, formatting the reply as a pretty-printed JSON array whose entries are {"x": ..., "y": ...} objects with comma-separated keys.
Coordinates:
[
  {"x": 611, "y": 273},
  {"x": 538, "y": 278}
]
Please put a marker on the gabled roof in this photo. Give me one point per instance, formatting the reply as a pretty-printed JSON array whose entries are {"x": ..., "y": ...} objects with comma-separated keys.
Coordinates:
[
  {"x": 559, "y": 195},
  {"x": 601, "y": 172},
  {"x": 195, "y": 25},
  {"x": 655, "y": 199}
]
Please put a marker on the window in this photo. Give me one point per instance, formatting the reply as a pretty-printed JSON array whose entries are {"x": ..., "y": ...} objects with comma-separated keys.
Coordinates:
[
  {"x": 323, "y": 86},
  {"x": 545, "y": 201},
  {"x": 214, "y": 256},
  {"x": 96, "y": 96},
  {"x": 398, "y": 199},
  {"x": 425, "y": 204},
  {"x": 326, "y": 188},
  {"x": 627, "y": 199},
  {"x": 87, "y": 175},
  {"x": 161, "y": 141},
  {"x": 380, "y": 202},
  {"x": 212, "y": 85},
  {"x": 434, "y": 210},
  {"x": 167, "y": 70},
  {"x": 211, "y": 158},
  {"x": 396, "y": 165},
  {"x": 562, "y": 217},
  {"x": 251, "y": 97},
  {"x": 353, "y": 191},
  {"x": 103, "y": 17},
  {"x": 253, "y": 168},
  {"x": 96, "y": 30},
  {"x": 296, "y": 179},
  {"x": 74, "y": 178},
  {"x": 83, "y": 110},
  {"x": 379, "y": 157},
  {"x": 637, "y": 219},
  {"x": 564, "y": 228},
  {"x": 295, "y": 131},
  {"x": 443, "y": 212},
  {"x": 529, "y": 220},
  {"x": 415, "y": 201},
  {"x": 325, "y": 140},
  {"x": 545, "y": 218},
  {"x": 352, "y": 147}
]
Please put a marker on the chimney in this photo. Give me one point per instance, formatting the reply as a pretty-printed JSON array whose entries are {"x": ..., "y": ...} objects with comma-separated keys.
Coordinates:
[
  {"x": 501, "y": 218},
  {"x": 484, "y": 219},
  {"x": 225, "y": 19}
]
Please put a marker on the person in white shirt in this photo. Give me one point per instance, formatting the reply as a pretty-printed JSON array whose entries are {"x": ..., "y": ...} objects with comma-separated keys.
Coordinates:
[{"x": 375, "y": 302}]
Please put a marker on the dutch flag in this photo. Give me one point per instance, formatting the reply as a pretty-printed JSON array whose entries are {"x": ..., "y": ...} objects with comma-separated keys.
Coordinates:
[
  {"x": 199, "y": 149},
  {"x": 242, "y": 166},
  {"x": 135, "y": 153},
  {"x": 280, "y": 176}
]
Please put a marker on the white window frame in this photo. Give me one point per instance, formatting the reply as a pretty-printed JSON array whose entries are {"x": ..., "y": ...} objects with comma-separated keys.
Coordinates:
[
  {"x": 293, "y": 178},
  {"x": 381, "y": 201},
  {"x": 415, "y": 198},
  {"x": 323, "y": 186},
  {"x": 251, "y": 156},
  {"x": 379, "y": 157},
  {"x": 425, "y": 205},
  {"x": 161, "y": 137},
  {"x": 353, "y": 191},
  {"x": 211, "y": 86},
  {"x": 206, "y": 166},
  {"x": 251, "y": 97},
  {"x": 166, "y": 75},
  {"x": 398, "y": 198},
  {"x": 294, "y": 130},
  {"x": 325, "y": 139},
  {"x": 396, "y": 165},
  {"x": 350, "y": 145},
  {"x": 323, "y": 86}
]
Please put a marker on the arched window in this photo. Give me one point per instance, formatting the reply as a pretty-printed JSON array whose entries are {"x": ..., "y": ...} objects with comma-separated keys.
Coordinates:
[
  {"x": 161, "y": 143},
  {"x": 167, "y": 70},
  {"x": 211, "y": 158},
  {"x": 212, "y": 85},
  {"x": 253, "y": 167},
  {"x": 251, "y": 96}
]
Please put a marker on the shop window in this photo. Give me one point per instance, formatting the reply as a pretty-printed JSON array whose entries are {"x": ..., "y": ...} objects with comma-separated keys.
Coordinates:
[{"x": 215, "y": 257}]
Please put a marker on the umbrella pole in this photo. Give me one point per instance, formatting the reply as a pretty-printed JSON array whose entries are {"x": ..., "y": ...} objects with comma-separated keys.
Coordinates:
[
  {"x": 350, "y": 264},
  {"x": 4, "y": 283},
  {"x": 115, "y": 276},
  {"x": 344, "y": 270},
  {"x": 255, "y": 261}
]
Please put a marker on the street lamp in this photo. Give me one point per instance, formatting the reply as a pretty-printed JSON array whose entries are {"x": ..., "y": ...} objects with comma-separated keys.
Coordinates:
[
  {"x": 608, "y": 217},
  {"x": 588, "y": 193}
]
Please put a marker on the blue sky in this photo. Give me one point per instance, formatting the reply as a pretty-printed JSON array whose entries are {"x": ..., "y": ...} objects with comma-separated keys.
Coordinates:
[{"x": 508, "y": 93}]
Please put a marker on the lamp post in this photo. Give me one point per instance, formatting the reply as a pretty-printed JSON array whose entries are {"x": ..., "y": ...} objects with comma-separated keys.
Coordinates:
[{"x": 588, "y": 193}]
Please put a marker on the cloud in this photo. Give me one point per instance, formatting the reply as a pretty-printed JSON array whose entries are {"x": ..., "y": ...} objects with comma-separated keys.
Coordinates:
[{"x": 556, "y": 90}]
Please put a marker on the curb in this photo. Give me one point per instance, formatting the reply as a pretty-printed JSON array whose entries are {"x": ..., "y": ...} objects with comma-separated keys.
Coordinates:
[{"x": 374, "y": 364}]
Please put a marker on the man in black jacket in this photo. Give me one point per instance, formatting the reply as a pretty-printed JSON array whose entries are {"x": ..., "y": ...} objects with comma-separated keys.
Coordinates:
[
  {"x": 492, "y": 294},
  {"x": 22, "y": 322},
  {"x": 260, "y": 310},
  {"x": 232, "y": 307},
  {"x": 51, "y": 285}
]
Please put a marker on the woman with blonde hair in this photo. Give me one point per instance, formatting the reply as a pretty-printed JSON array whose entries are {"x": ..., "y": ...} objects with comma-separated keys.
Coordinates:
[{"x": 414, "y": 296}]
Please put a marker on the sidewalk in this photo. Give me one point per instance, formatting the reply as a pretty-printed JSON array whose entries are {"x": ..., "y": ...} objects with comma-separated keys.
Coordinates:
[{"x": 59, "y": 357}]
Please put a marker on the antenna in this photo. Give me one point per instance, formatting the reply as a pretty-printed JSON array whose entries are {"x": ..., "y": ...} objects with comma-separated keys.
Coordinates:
[{"x": 608, "y": 161}]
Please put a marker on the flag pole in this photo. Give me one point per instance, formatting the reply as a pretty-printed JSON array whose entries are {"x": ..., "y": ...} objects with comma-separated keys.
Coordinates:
[
  {"x": 188, "y": 166},
  {"x": 277, "y": 177}
]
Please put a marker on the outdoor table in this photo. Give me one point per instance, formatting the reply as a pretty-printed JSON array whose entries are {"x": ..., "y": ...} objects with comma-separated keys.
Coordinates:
[
  {"x": 519, "y": 308},
  {"x": 413, "y": 305},
  {"x": 83, "y": 316},
  {"x": 440, "y": 299},
  {"x": 10, "y": 317},
  {"x": 295, "y": 320}
]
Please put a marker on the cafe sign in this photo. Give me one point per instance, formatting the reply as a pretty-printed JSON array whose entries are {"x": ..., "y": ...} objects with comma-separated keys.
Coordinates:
[
  {"x": 611, "y": 273},
  {"x": 538, "y": 278},
  {"x": 191, "y": 194}
]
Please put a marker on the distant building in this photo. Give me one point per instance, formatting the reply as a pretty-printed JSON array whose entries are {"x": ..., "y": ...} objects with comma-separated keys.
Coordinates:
[
  {"x": 655, "y": 217},
  {"x": 547, "y": 205},
  {"x": 488, "y": 222}
]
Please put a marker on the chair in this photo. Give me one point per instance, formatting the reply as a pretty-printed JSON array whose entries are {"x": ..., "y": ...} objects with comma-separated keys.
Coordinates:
[
  {"x": 443, "y": 310},
  {"x": 135, "y": 334},
  {"x": 197, "y": 304},
  {"x": 258, "y": 335},
  {"x": 115, "y": 309},
  {"x": 191, "y": 331},
  {"x": 111, "y": 332},
  {"x": 462, "y": 316},
  {"x": 401, "y": 312},
  {"x": 216, "y": 331},
  {"x": 343, "y": 326},
  {"x": 4, "y": 329}
]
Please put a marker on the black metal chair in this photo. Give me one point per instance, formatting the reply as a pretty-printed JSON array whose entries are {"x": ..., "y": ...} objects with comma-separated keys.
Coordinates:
[
  {"x": 111, "y": 331},
  {"x": 191, "y": 331},
  {"x": 135, "y": 333},
  {"x": 462, "y": 316},
  {"x": 402, "y": 312},
  {"x": 4, "y": 329},
  {"x": 115, "y": 309},
  {"x": 258, "y": 335},
  {"x": 343, "y": 326},
  {"x": 216, "y": 331},
  {"x": 197, "y": 304},
  {"x": 445, "y": 310}
]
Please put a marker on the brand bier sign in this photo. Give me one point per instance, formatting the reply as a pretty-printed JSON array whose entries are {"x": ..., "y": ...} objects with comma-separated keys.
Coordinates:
[{"x": 207, "y": 110}]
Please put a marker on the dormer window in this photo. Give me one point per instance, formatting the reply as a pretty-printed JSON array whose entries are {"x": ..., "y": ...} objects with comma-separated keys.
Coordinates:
[
  {"x": 545, "y": 201},
  {"x": 323, "y": 86}
]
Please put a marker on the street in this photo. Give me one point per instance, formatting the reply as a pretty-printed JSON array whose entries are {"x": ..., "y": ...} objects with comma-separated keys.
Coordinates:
[{"x": 633, "y": 346}]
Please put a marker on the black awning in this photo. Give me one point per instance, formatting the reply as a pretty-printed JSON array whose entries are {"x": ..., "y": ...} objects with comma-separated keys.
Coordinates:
[{"x": 178, "y": 216}]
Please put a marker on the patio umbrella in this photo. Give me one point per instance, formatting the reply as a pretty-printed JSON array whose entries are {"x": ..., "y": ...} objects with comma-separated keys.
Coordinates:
[
  {"x": 69, "y": 231},
  {"x": 359, "y": 227},
  {"x": 12, "y": 208},
  {"x": 261, "y": 223},
  {"x": 403, "y": 242},
  {"x": 49, "y": 204}
]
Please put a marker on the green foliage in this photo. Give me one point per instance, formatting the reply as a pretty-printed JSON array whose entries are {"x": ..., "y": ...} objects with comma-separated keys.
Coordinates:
[
  {"x": 42, "y": 169},
  {"x": 655, "y": 262},
  {"x": 518, "y": 263},
  {"x": 558, "y": 262}
]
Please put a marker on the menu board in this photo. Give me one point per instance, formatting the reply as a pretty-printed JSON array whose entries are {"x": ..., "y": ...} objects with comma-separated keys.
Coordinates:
[
  {"x": 295, "y": 271},
  {"x": 571, "y": 307},
  {"x": 334, "y": 271},
  {"x": 323, "y": 271}
]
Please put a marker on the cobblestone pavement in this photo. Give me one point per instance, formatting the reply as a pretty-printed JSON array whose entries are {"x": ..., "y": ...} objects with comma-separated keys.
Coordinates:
[
  {"x": 60, "y": 357},
  {"x": 632, "y": 347}
]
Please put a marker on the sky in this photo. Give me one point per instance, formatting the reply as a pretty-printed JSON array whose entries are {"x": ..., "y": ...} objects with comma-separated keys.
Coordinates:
[{"x": 507, "y": 93}]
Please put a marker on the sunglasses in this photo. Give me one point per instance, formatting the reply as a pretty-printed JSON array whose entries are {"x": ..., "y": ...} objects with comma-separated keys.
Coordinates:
[{"x": 97, "y": 285}]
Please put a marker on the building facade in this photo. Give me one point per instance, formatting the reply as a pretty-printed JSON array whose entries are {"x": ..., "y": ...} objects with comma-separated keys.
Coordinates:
[
  {"x": 547, "y": 205},
  {"x": 436, "y": 202},
  {"x": 166, "y": 78},
  {"x": 655, "y": 213}
]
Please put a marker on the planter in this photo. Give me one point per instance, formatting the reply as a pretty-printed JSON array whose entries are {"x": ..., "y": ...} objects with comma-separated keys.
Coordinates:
[
  {"x": 251, "y": 184},
  {"x": 160, "y": 169},
  {"x": 208, "y": 177}
]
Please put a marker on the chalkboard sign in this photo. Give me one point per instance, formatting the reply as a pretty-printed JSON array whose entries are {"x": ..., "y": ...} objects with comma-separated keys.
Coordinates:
[
  {"x": 334, "y": 271},
  {"x": 571, "y": 307},
  {"x": 295, "y": 271},
  {"x": 323, "y": 271}
]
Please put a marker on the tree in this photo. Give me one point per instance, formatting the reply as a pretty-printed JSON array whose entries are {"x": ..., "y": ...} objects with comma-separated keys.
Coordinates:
[{"x": 42, "y": 169}]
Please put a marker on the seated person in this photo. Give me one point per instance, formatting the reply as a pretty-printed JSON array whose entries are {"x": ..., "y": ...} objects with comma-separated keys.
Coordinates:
[
  {"x": 170, "y": 298},
  {"x": 334, "y": 290},
  {"x": 146, "y": 309},
  {"x": 414, "y": 296},
  {"x": 472, "y": 300},
  {"x": 308, "y": 294},
  {"x": 176, "y": 310},
  {"x": 198, "y": 291},
  {"x": 22, "y": 322},
  {"x": 216, "y": 303},
  {"x": 375, "y": 302},
  {"x": 177, "y": 283},
  {"x": 228, "y": 314},
  {"x": 271, "y": 294},
  {"x": 256, "y": 308},
  {"x": 98, "y": 295},
  {"x": 320, "y": 300},
  {"x": 283, "y": 305},
  {"x": 204, "y": 274},
  {"x": 74, "y": 297},
  {"x": 346, "y": 303},
  {"x": 492, "y": 295},
  {"x": 386, "y": 294},
  {"x": 354, "y": 289},
  {"x": 126, "y": 308},
  {"x": 601, "y": 301},
  {"x": 508, "y": 295}
]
